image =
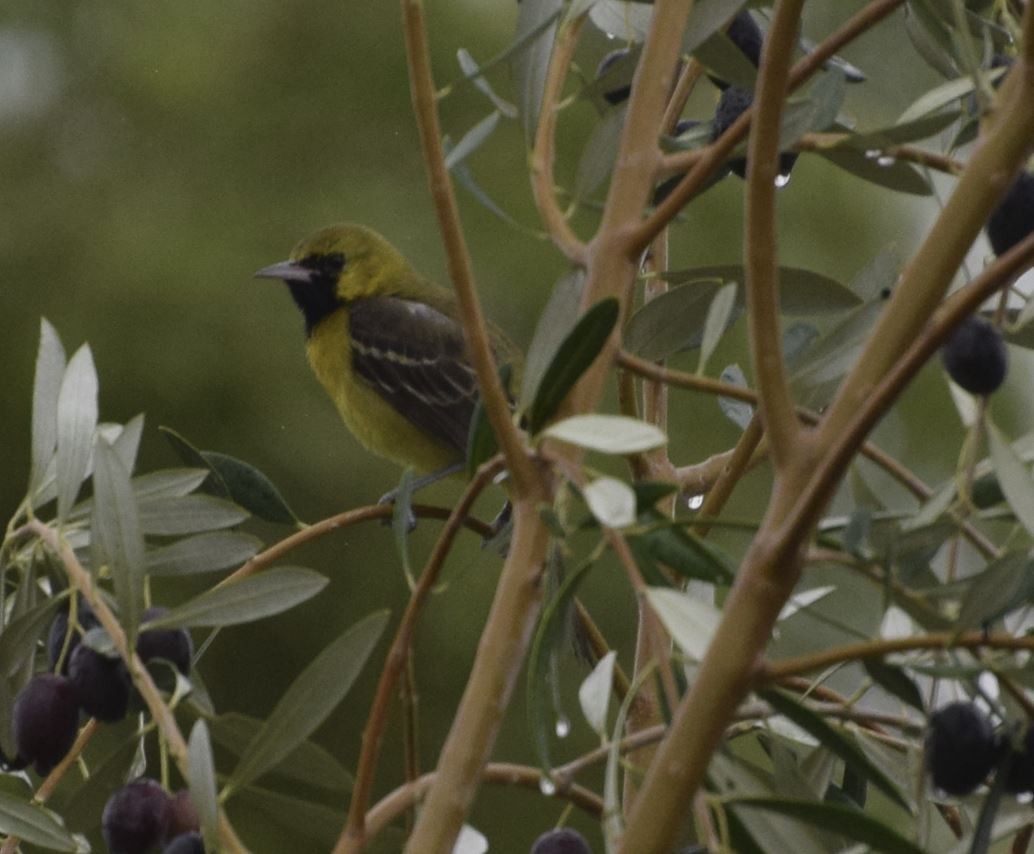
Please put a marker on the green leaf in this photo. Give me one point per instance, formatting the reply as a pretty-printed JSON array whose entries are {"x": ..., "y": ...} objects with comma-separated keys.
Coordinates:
[
  {"x": 883, "y": 172},
  {"x": 308, "y": 763},
  {"x": 168, "y": 483},
  {"x": 474, "y": 74},
  {"x": 594, "y": 693},
  {"x": 945, "y": 94},
  {"x": 536, "y": 27},
  {"x": 33, "y": 824},
  {"x": 894, "y": 681},
  {"x": 1005, "y": 585},
  {"x": 835, "y": 740},
  {"x": 188, "y": 514},
  {"x": 576, "y": 352},
  {"x": 817, "y": 112},
  {"x": 472, "y": 140},
  {"x": 691, "y": 622},
  {"x": 312, "y": 696},
  {"x": 127, "y": 442},
  {"x": 1013, "y": 477},
  {"x": 837, "y": 818},
  {"x": 608, "y": 434},
  {"x": 621, "y": 20},
  {"x": 308, "y": 819},
  {"x": 116, "y": 534},
  {"x": 708, "y": 16},
  {"x": 737, "y": 411},
  {"x": 719, "y": 318},
  {"x": 611, "y": 501},
  {"x": 401, "y": 516},
  {"x": 201, "y": 779},
  {"x": 250, "y": 488},
  {"x": 190, "y": 455},
  {"x": 684, "y": 552},
  {"x": 19, "y": 637},
  {"x": 903, "y": 132},
  {"x": 597, "y": 158},
  {"x": 671, "y": 321},
  {"x": 555, "y": 323},
  {"x": 76, "y": 422},
  {"x": 253, "y": 598},
  {"x": 50, "y": 368},
  {"x": 719, "y": 55},
  {"x": 202, "y": 553}
]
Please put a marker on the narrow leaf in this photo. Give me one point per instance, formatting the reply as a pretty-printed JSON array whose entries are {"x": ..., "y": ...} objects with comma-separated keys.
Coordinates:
[
  {"x": 272, "y": 592},
  {"x": 738, "y": 412},
  {"x": 686, "y": 553},
  {"x": 555, "y": 323},
  {"x": 472, "y": 140},
  {"x": 691, "y": 622},
  {"x": 837, "y": 818},
  {"x": 308, "y": 763},
  {"x": 33, "y": 824},
  {"x": 835, "y": 740},
  {"x": 608, "y": 434},
  {"x": 1013, "y": 477},
  {"x": 19, "y": 637},
  {"x": 577, "y": 351},
  {"x": 201, "y": 779},
  {"x": 894, "y": 681},
  {"x": 476, "y": 76},
  {"x": 250, "y": 488},
  {"x": 611, "y": 501},
  {"x": 202, "y": 553},
  {"x": 671, "y": 321},
  {"x": 312, "y": 696},
  {"x": 536, "y": 28},
  {"x": 883, "y": 172},
  {"x": 719, "y": 318},
  {"x": 1005, "y": 584},
  {"x": 594, "y": 693},
  {"x": 127, "y": 443},
  {"x": 116, "y": 535},
  {"x": 76, "y": 421},
  {"x": 50, "y": 368},
  {"x": 189, "y": 514}
]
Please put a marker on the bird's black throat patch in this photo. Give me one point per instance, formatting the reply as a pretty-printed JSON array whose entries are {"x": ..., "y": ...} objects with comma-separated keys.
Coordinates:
[{"x": 317, "y": 298}]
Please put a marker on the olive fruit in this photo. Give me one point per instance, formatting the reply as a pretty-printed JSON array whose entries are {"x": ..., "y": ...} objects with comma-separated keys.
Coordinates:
[
  {"x": 618, "y": 93},
  {"x": 135, "y": 818},
  {"x": 183, "y": 817},
  {"x": 561, "y": 841},
  {"x": 1013, "y": 219},
  {"x": 86, "y": 620},
  {"x": 731, "y": 105},
  {"x": 1019, "y": 779},
  {"x": 746, "y": 35},
  {"x": 975, "y": 356},
  {"x": 101, "y": 684},
  {"x": 46, "y": 719},
  {"x": 961, "y": 748},
  {"x": 185, "y": 843},
  {"x": 173, "y": 645}
]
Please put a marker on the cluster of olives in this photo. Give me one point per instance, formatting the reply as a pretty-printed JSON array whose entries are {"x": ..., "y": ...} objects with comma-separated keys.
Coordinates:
[
  {"x": 142, "y": 815},
  {"x": 46, "y": 710},
  {"x": 962, "y": 748}
]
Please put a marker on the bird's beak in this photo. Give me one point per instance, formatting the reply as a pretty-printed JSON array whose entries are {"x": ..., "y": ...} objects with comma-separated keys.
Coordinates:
[{"x": 288, "y": 271}]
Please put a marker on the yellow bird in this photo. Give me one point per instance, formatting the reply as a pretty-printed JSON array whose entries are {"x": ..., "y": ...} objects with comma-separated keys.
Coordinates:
[{"x": 387, "y": 346}]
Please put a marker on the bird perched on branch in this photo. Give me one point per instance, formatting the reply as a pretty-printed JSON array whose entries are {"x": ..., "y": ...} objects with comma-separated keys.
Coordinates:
[{"x": 387, "y": 346}]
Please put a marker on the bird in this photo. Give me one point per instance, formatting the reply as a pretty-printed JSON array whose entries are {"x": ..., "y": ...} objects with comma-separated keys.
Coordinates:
[{"x": 387, "y": 346}]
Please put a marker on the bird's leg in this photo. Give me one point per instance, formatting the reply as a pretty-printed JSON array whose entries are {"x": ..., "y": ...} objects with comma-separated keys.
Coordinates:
[{"x": 411, "y": 486}]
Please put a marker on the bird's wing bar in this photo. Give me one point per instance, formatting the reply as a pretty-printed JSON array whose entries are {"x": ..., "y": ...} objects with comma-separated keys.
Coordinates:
[{"x": 414, "y": 356}]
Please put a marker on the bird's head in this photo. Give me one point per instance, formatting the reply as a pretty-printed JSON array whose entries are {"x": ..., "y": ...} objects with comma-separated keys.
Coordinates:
[{"x": 337, "y": 265}]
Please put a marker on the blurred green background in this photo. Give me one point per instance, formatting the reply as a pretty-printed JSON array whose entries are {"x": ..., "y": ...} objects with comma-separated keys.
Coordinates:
[{"x": 154, "y": 155}]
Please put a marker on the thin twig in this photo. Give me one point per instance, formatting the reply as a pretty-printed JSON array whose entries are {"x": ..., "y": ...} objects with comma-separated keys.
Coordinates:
[
  {"x": 543, "y": 152},
  {"x": 475, "y": 330},
  {"x": 353, "y": 835}
]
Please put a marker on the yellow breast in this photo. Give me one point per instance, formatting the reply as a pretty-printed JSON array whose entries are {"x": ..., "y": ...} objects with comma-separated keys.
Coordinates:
[{"x": 372, "y": 420}]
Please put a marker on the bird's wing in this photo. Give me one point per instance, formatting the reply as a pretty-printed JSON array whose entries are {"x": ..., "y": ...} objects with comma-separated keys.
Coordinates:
[{"x": 414, "y": 356}]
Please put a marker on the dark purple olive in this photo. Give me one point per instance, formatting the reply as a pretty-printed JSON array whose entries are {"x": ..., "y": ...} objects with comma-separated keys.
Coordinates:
[
  {"x": 46, "y": 720},
  {"x": 975, "y": 356},
  {"x": 136, "y": 817},
  {"x": 183, "y": 817},
  {"x": 618, "y": 93},
  {"x": 733, "y": 102},
  {"x": 86, "y": 620},
  {"x": 173, "y": 645},
  {"x": 746, "y": 35},
  {"x": 185, "y": 843},
  {"x": 1013, "y": 219},
  {"x": 561, "y": 841},
  {"x": 961, "y": 748},
  {"x": 101, "y": 684}
]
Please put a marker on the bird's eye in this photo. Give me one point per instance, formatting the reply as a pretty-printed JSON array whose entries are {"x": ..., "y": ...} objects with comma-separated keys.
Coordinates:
[{"x": 329, "y": 265}]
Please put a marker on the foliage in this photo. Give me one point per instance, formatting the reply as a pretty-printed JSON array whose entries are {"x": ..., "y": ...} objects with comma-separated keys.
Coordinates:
[{"x": 790, "y": 648}]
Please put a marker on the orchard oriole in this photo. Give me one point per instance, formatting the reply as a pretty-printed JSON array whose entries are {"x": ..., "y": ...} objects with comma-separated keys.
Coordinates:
[{"x": 387, "y": 345}]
